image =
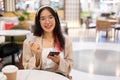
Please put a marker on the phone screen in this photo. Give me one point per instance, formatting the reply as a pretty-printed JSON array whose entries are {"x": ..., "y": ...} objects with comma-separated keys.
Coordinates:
[{"x": 54, "y": 53}]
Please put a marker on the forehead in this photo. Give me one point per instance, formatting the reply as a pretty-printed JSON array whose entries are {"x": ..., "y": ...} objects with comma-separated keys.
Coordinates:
[{"x": 45, "y": 12}]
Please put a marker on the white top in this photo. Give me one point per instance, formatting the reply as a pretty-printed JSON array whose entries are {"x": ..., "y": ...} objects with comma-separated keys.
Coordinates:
[{"x": 46, "y": 62}]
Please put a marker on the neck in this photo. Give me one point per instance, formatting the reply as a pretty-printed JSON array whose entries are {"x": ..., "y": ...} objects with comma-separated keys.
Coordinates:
[
  {"x": 48, "y": 36},
  {"x": 48, "y": 40}
]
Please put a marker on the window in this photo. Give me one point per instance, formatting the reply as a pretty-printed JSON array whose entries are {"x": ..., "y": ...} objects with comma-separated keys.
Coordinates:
[
  {"x": 28, "y": 5},
  {"x": 1, "y": 6},
  {"x": 33, "y": 5},
  {"x": 57, "y": 4}
]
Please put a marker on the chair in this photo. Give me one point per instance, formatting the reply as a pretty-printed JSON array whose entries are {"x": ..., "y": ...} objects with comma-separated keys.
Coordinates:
[
  {"x": 20, "y": 65},
  {"x": 89, "y": 24},
  {"x": 0, "y": 63},
  {"x": 18, "y": 39},
  {"x": 64, "y": 27},
  {"x": 9, "y": 49},
  {"x": 2, "y": 39},
  {"x": 116, "y": 31},
  {"x": 103, "y": 25}
]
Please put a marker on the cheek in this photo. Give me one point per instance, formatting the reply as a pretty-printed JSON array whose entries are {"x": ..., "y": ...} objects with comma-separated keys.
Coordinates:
[
  {"x": 54, "y": 23},
  {"x": 53, "y": 26},
  {"x": 42, "y": 25}
]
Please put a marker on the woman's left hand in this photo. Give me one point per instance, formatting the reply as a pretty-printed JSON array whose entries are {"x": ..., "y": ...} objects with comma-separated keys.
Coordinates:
[{"x": 55, "y": 58}]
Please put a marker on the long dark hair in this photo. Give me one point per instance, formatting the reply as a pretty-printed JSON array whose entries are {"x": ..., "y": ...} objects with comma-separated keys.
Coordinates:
[{"x": 38, "y": 31}]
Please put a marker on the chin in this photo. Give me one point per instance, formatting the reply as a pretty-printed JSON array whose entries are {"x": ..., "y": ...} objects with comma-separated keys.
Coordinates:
[{"x": 49, "y": 30}]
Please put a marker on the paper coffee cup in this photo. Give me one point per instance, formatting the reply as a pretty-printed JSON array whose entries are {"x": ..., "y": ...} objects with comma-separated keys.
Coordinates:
[
  {"x": 10, "y": 71},
  {"x": 2, "y": 76}
]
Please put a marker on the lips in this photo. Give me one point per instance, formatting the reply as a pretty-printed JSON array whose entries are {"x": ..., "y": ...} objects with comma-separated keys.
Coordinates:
[{"x": 48, "y": 27}]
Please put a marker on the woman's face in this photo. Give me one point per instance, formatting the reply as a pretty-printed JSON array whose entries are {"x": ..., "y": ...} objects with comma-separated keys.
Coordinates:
[{"x": 47, "y": 21}]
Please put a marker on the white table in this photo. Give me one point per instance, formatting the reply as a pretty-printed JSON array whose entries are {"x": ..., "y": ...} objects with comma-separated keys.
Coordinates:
[
  {"x": 2, "y": 39},
  {"x": 110, "y": 20},
  {"x": 92, "y": 25},
  {"x": 13, "y": 33},
  {"x": 38, "y": 75}
]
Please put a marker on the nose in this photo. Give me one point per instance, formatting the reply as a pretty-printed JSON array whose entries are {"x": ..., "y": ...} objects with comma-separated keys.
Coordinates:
[{"x": 47, "y": 20}]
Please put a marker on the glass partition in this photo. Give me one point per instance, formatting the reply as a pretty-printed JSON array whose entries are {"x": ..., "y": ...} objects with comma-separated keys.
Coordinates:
[
  {"x": 33, "y": 5},
  {"x": 28, "y": 5}
]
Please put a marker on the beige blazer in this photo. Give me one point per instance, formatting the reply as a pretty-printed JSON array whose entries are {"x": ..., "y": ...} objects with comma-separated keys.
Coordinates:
[{"x": 65, "y": 65}]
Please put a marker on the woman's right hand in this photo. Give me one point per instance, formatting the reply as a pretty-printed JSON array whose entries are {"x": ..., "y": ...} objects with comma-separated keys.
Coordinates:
[{"x": 34, "y": 47}]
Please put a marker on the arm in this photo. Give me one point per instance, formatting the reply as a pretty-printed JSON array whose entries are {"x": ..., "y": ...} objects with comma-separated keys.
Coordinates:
[
  {"x": 66, "y": 63},
  {"x": 36, "y": 50},
  {"x": 30, "y": 58}
]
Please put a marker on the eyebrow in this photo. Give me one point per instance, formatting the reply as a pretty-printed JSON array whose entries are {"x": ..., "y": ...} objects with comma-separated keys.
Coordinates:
[{"x": 45, "y": 16}]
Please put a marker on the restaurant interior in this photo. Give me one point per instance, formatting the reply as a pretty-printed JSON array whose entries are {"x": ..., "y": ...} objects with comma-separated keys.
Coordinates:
[{"x": 92, "y": 26}]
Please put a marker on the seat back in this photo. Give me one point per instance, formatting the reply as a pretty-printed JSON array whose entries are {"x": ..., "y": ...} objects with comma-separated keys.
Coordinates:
[
  {"x": 102, "y": 25},
  {"x": 20, "y": 65},
  {"x": 18, "y": 39},
  {"x": 8, "y": 49}
]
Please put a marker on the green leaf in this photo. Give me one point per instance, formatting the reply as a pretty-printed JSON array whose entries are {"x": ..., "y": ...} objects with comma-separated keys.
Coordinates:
[{"x": 21, "y": 18}]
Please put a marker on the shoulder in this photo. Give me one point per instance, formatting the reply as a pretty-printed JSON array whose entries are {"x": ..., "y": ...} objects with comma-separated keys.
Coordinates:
[
  {"x": 67, "y": 39},
  {"x": 65, "y": 36}
]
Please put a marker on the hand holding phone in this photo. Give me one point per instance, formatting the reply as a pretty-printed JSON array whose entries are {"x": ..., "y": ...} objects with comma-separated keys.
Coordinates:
[{"x": 52, "y": 53}]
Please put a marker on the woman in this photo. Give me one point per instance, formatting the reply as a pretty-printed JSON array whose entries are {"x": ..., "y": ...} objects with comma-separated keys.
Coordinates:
[{"x": 48, "y": 37}]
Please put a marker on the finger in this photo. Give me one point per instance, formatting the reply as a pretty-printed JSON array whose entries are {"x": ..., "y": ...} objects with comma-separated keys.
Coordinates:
[
  {"x": 38, "y": 48},
  {"x": 56, "y": 56},
  {"x": 34, "y": 45},
  {"x": 31, "y": 43},
  {"x": 51, "y": 57}
]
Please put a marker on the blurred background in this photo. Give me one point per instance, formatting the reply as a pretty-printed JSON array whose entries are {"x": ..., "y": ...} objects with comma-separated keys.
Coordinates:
[{"x": 92, "y": 25}]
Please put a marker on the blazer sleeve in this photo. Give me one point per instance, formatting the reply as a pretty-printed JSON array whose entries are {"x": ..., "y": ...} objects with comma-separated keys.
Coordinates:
[
  {"x": 66, "y": 63},
  {"x": 29, "y": 59}
]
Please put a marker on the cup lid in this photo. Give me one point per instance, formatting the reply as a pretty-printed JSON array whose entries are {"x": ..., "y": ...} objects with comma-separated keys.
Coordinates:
[
  {"x": 2, "y": 76},
  {"x": 9, "y": 68}
]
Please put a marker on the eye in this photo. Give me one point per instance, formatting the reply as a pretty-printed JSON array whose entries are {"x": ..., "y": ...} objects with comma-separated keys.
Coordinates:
[
  {"x": 51, "y": 17},
  {"x": 42, "y": 18}
]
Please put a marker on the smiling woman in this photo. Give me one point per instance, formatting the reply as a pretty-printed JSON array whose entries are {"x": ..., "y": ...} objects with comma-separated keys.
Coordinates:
[{"x": 48, "y": 37}]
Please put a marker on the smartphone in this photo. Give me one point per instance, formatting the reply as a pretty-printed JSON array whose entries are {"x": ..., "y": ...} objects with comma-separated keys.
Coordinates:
[{"x": 52, "y": 53}]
